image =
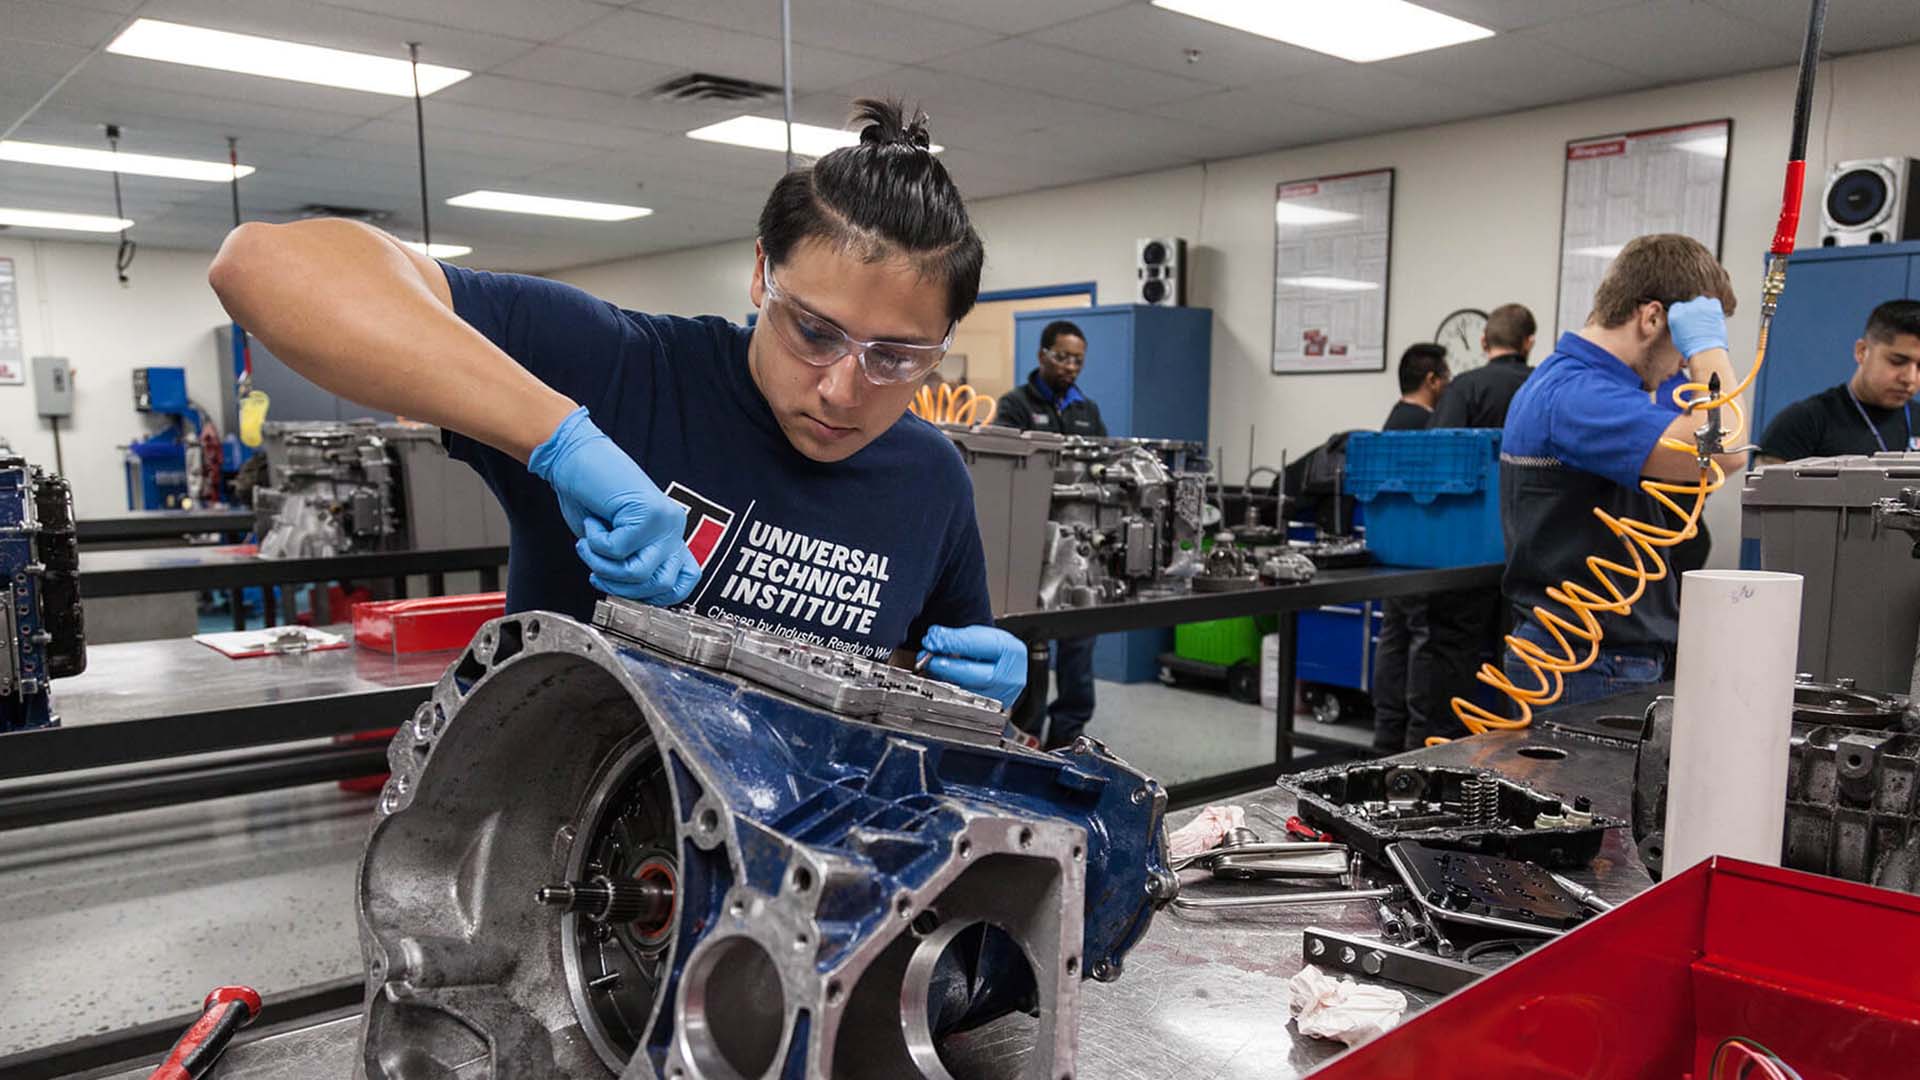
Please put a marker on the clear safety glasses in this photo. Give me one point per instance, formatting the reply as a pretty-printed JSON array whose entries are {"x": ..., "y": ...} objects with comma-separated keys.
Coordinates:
[{"x": 821, "y": 343}]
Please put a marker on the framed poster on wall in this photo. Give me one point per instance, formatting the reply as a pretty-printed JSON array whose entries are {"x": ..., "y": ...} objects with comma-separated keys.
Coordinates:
[
  {"x": 1667, "y": 180},
  {"x": 1332, "y": 236},
  {"x": 13, "y": 366}
]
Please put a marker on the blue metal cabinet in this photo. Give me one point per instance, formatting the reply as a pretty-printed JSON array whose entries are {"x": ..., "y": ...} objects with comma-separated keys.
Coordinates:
[
  {"x": 1830, "y": 292},
  {"x": 1150, "y": 371}
]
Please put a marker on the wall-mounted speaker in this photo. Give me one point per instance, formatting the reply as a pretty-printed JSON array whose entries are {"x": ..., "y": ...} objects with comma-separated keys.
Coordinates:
[
  {"x": 1872, "y": 201},
  {"x": 1162, "y": 266}
]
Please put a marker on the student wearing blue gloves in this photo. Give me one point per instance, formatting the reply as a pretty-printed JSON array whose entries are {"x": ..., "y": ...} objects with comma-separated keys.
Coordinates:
[
  {"x": 1587, "y": 426},
  {"x": 767, "y": 476}
]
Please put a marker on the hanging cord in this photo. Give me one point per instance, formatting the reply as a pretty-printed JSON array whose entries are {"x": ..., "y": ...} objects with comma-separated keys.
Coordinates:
[
  {"x": 122, "y": 258},
  {"x": 954, "y": 405},
  {"x": 786, "y": 74},
  {"x": 1617, "y": 586},
  {"x": 420, "y": 140}
]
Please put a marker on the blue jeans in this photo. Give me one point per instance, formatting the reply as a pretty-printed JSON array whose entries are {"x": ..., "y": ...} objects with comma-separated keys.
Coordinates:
[
  {"x": 1072, "y": 706},
  {"x": 1616, "y": 671}
]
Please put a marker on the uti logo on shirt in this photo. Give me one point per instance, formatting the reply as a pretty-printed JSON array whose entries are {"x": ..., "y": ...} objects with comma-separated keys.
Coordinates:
[{"x": 707, "y": 522}]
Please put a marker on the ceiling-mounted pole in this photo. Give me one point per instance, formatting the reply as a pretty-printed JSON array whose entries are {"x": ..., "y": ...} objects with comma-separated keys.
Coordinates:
[
  {"x": 420, "y": 138},
  {"x": 786, "y": 73},
  {"x": 123, "y": 258},
  {"x": 242, "y": 351}
]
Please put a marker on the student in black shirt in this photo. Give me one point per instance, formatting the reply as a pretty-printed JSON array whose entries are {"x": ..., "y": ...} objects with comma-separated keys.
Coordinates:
[
  {"x": 1423, "y": 379},
  {"x": 1868, "y": 413},
  {"x": 1397, "y": 708},
  {"x": 1479, "y": 398}
]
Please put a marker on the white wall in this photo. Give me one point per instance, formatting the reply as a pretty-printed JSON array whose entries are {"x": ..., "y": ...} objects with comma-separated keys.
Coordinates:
[
  {"x": 71, "y": 305},
  {"x": 1476, "y": 223}
]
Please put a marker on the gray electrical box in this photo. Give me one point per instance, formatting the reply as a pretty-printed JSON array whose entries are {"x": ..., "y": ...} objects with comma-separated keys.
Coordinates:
[{"x": 53, "y": 386}]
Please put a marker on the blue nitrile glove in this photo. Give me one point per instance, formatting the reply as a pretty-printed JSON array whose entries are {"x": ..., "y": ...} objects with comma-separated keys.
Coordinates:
[
  {"x": 1697, "y": 325},
  {"x": 631, "y": 535},
  {"x": 984, "y": 659}
]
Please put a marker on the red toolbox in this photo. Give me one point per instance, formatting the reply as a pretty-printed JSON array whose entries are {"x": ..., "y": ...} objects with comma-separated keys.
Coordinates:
[
  {"x": 428, "y": 624},
  {"x": 1825, "y": 973}
]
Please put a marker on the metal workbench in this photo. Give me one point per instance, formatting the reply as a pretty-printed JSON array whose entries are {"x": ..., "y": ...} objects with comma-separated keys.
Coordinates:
[
  {"x": 149, "y": 701},
  {"x": 1203, "y": 996},
  {"x": 148, "y": 526},
  {"x": 1286, "y": 601},
  {"x": 193, "y": 568}
]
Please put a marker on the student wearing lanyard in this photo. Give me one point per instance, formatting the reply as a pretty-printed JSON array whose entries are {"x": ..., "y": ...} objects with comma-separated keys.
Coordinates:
[{"x": 1869, "y": 413}]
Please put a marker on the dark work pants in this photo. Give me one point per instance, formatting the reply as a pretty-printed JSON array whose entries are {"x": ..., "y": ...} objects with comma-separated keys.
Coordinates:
[
  {"x": 1403, "y": 634},
  {"x": 1073, "y": 699},
  {"x": 1463, "y": 632}
]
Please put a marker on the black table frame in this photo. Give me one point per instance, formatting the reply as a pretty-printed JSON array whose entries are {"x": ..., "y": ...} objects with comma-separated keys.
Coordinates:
[
  {"x": 1347, "y": 586},
  {"x": 174, "y": 525}
]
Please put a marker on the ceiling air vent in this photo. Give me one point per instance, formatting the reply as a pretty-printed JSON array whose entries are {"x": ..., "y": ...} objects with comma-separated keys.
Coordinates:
[{"x": 700, "y": 86}]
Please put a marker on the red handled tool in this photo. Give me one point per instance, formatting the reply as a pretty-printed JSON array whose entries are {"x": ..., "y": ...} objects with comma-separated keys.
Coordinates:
[
  {"x": 225, "y": 1012},
  {"x": 1296, "y": 827}
]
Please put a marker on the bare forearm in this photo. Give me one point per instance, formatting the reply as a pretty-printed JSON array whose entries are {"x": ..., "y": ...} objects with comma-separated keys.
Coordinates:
[
  {"x": 1673, "y": 465},
  {"x": 359, "y": 314}
]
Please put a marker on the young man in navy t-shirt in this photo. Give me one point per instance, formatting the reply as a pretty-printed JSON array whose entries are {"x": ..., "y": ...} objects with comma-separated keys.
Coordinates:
[{"x": 769, "y": 477}]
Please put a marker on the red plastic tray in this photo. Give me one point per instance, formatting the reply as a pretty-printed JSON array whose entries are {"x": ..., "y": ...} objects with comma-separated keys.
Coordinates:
[
  {"x": 1826, "y": 973},
  {"x": 428, "y": 624}
]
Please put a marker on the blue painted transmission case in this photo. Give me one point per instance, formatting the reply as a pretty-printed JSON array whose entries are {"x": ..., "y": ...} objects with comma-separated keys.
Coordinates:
[
  {"x": 42, "y": 633},
  {"x": 666, "y": 846}
]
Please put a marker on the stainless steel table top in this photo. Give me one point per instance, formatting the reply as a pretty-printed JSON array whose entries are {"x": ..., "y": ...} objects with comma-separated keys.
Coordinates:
[{"x": 1203, "y": 996}]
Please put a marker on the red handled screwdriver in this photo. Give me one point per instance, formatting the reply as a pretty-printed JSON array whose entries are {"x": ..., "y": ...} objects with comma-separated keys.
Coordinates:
[{"x": 225, "y": 1012}]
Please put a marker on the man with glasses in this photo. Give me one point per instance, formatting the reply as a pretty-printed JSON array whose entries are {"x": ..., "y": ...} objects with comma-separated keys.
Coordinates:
[
  {"x": 765, "y": 476},
  {"x": 1049, "y": 401}
]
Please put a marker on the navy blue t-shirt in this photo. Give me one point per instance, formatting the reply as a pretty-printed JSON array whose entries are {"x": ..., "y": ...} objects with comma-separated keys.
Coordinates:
[{"x": 860, "y": 555}]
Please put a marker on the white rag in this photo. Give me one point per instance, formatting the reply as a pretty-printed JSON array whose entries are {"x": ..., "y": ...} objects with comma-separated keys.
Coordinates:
[
  {"x": 1326, "y": 1008},
  {"x": 1205, "y": 831}
]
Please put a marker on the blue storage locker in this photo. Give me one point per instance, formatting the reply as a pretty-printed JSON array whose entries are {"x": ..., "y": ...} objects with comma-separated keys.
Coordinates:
[{"x": 1150, "y": 371}]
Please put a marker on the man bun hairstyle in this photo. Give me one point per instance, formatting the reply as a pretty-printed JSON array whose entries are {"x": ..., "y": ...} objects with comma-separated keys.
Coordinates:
[
  {"x": 886, "y": 197},
  {"x": 1893, "y": 318}
]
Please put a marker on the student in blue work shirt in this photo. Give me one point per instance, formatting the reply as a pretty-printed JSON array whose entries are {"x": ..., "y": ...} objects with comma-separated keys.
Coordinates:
[
  {"x": 1582, "y": 432},
  {"x": 766, "y": 476}
]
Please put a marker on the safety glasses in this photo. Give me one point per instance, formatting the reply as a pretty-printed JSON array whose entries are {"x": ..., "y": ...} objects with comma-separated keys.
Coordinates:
[{"x": 820, "y": 342}]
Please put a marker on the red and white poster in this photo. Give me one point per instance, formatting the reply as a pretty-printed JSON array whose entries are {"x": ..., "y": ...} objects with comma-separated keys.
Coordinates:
[
  {"x": 1331, "y": 239},
  {"x": 1667, "y": 180}
]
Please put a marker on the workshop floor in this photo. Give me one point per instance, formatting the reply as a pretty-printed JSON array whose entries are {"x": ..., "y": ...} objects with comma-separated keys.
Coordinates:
[{"x": 122, "y": 920}]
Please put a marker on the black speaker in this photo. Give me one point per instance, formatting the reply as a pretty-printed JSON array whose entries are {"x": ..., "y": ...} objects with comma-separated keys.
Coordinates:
[
  {"x": 1872, "y": 201},
  {"x": 1162, "y": 266}
]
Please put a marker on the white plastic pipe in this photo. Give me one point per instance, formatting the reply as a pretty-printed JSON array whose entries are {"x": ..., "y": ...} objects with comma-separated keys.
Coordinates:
[{"x": 1732, "y": 716}]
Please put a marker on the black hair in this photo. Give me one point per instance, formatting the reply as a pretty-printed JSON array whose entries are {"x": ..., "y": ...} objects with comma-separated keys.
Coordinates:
[
  {"x": 1055, "y": 329},
  {"x": 1420, "y": 361},
  {"x": 888, "y": 195},
  {"x": 1510, "y": 326},
  {"x": 1893, "y": 318}
]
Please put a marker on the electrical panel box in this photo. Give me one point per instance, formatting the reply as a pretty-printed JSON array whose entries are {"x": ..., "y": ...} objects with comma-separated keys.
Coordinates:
[
  {"x": 160, "y": 390},
  {"x": 52, "y": 386}
]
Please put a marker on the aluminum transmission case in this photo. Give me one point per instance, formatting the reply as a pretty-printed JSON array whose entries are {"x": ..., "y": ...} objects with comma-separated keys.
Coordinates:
[{"x": 767, "y": 860}]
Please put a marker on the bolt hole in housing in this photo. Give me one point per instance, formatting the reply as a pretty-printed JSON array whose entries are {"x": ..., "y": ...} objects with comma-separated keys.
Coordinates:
[
  {"x": 802, "y": 879},
  {"x": 1542, "y": 753},
  {"x": 1026, "y": 837},
  {"x": 736, "y": 1009}
]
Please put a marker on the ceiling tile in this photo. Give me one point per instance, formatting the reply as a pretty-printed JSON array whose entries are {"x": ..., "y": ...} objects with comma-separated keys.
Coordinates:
[
  {"x": 588, "y": 70},
  {"x": 1514, "y": 69},
  {"x": 1151, "y": 37},
  {"x": 1520, "y": 14},
  {"x": 1263, "y": 112},
  {"x": 662, "y": 40},
  {"x": 29, "y": 69},
  {"x": 1852, "y": 26},
  {"x": 541, "y": 20},
  {"x": 1395, "y": 101},
  {"x": 1050, "y": 70},
  {"x": 1672, "y": 41},
  {"x": 901, "y": 37},
  {"x": 59, "y": 24},
  {"x": 1007, "y": 16},
  {"x": 963, "y": 111}
]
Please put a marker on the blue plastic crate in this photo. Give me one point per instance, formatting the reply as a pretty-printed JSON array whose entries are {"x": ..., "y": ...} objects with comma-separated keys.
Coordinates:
[{"x": 1432, "y": 498}]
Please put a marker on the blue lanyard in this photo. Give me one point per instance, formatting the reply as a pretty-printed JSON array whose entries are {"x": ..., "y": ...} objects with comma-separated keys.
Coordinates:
[{"x": 1906, "y": 410}]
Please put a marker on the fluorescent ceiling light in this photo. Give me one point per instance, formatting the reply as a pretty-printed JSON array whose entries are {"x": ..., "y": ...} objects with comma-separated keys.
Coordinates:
[
  {"x": 1706, "y": 146},
  {"x": 80, "y": 157},
  {"x": 1286, "y": 213},
  {"x": 1598, "y": 251},
  {"x": 51, "y": 219},
  {"x": 221, "y": 50},
  {"x": 549, "y": 207},
  {"x": 439, "y": 251},
  {"x": 1357, "y": 30},
  {"x": 1330, "y": 284},
  {"x": 766, "y": 133}
]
